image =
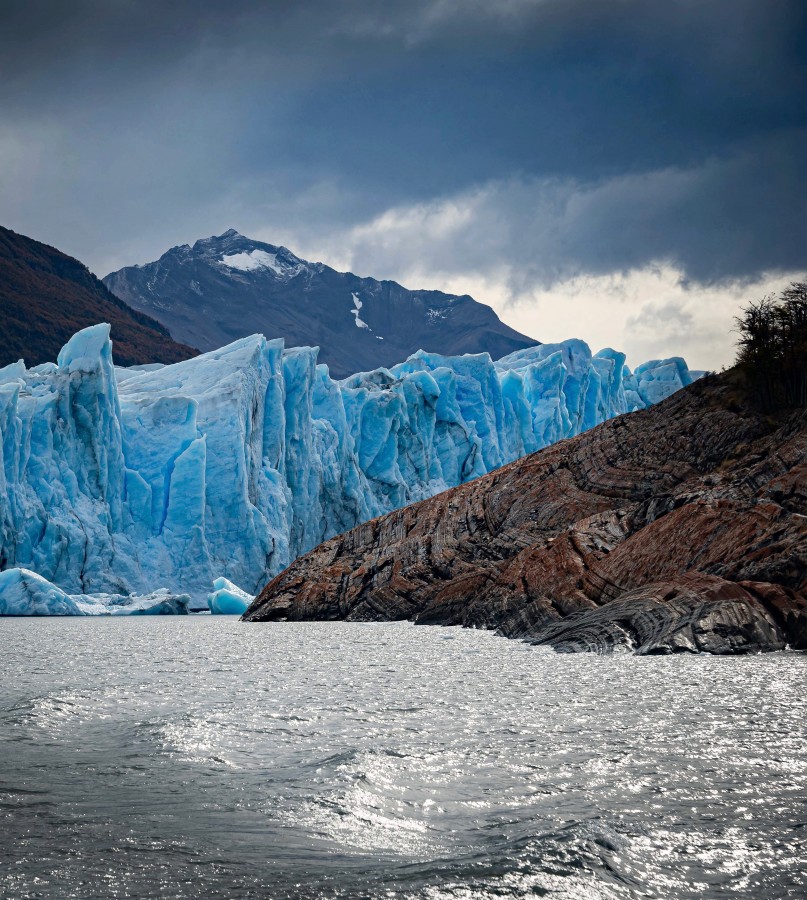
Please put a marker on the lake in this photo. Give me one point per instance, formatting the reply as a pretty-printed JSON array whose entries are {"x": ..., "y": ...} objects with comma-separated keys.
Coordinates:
[{"x": 204, "y": 757}]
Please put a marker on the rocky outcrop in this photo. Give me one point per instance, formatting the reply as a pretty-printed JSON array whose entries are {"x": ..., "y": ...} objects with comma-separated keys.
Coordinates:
[{"x": 678, "y": 528}]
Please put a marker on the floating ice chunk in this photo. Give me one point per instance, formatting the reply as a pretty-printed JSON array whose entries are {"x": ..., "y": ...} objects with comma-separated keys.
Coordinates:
[
  {"x": 24, "y": 593},
  {"x": 227, "y": 599},
  {"x": 161, "y": 602}
]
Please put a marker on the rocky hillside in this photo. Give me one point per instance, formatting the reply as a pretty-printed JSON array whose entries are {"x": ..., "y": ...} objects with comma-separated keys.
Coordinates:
[
  {"x": 228, "y": 287},
  {"x": 678, "y": 528},
  {"x": 47, "y": 296}
]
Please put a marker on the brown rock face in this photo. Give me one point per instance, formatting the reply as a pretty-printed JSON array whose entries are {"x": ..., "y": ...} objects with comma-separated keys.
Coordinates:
[
  {"x": 47, "y": 296},
  {"x": 678, "y": 528}
]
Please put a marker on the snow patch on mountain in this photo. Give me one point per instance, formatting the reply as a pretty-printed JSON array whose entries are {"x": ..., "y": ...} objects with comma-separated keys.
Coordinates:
[
  {"x": 357, "y": 305},
  {"x": 254, "y": 259},
  {"x": 434, "y": 315}
]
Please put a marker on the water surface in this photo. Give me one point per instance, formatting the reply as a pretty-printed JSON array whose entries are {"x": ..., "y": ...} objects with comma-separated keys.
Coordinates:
[{"x": 204, "y": 757}]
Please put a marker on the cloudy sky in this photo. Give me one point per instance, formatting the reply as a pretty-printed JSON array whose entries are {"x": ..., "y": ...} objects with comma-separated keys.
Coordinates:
[{"x": 626, "y": 171}]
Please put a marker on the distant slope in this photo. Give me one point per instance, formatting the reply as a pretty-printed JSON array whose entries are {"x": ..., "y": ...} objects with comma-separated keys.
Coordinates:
[
  {"x": 230, "y": 286},
  {"x": 46, "y": 296},
  {"x": 677, "y": 528}
]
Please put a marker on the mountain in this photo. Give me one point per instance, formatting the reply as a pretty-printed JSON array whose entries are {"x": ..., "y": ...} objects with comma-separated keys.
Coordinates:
[
  {"x": 46, "y": 296},
  {"x": 676, "y": 528},
  {"x": 227, "y": 287}
]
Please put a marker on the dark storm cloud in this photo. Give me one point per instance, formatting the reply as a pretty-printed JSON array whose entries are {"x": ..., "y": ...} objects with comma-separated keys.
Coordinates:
[{"x": 128, "y": 126}]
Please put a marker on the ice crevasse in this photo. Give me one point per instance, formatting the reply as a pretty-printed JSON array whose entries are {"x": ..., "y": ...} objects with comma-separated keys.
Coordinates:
[{"x": 123, "y": 480}]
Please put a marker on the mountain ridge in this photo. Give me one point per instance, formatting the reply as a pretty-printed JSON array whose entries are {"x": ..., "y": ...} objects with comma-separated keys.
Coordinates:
[
  {"x": 228, "y": 286},
  {"x": 46, "y": 296}
]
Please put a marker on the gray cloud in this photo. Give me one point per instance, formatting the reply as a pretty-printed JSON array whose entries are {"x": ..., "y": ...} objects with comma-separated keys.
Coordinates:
[
  {"x": 584, "y": 137},
  {"x": 725, "y": 218},
  {"x": 668, "y": 318}
]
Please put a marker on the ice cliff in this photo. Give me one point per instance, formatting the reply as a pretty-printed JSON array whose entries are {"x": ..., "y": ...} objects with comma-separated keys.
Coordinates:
[{"x": 235, "y": 462}]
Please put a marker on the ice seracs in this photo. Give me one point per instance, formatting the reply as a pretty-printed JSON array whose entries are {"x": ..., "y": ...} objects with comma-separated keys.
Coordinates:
[
  {"x": 659, "y": 378},
  {"x": 232, "y": 464}
]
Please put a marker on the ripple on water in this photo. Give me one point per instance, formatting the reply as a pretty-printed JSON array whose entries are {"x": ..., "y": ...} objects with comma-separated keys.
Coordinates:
[{"x": 207, "y": 757}]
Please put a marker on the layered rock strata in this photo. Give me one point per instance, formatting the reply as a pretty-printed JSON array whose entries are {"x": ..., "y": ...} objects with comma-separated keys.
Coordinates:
[{"x": 682, "y": 527}]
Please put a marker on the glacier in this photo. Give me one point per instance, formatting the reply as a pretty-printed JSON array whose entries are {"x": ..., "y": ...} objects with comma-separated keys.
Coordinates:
[{"x": 232, "y": 464}]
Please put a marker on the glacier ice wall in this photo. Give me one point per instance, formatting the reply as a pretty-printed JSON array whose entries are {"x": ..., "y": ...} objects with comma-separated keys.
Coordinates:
[{"x": 237, "y": 461}]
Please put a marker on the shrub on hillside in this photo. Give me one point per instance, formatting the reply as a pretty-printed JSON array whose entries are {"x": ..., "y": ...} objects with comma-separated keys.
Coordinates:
[{"x": 772, "y": 347}]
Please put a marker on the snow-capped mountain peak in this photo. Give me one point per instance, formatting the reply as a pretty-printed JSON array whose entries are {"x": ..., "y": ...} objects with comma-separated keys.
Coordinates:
[
  {"x": 228, "y": 286},
  {"x": 235, "y": 253}
]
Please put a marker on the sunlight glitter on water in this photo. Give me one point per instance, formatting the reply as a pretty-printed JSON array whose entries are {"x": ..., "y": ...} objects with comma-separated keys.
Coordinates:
[{"x": 207, "y": 756}]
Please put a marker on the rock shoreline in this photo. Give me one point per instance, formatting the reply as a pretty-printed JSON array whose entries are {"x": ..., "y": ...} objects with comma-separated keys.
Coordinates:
[{"x": 681, "y": 528}]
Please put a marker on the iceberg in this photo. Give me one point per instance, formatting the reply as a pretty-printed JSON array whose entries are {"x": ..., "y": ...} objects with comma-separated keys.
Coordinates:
[
  {"x": 227, "y": 599},
  {"x": 232, "y": 464},
  {"x": 24, "y": 593}
]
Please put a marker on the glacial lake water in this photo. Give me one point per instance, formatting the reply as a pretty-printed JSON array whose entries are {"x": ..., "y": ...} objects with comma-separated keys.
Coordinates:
[{"x": 202, "y": 757}]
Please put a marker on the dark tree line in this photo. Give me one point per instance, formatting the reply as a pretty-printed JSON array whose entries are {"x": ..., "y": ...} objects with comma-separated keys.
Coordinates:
[{"x": 773, "y": 347}]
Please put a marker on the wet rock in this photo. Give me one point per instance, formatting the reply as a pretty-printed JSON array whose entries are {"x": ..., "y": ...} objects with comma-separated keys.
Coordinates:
[{"x": 696, "y": 614}]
